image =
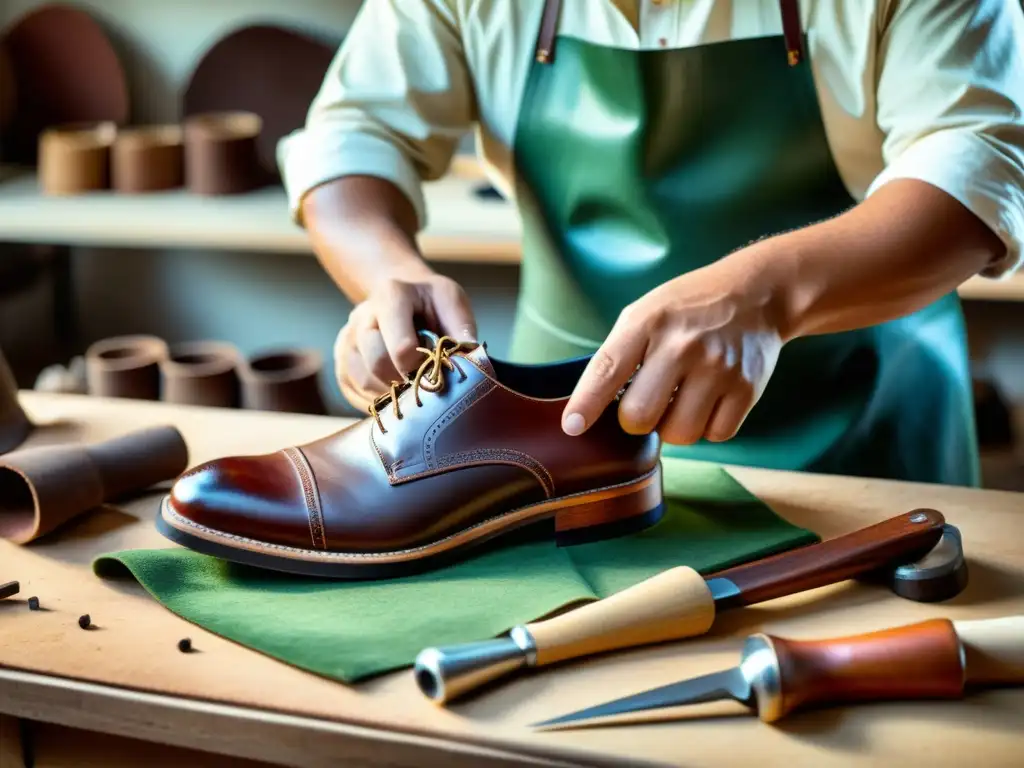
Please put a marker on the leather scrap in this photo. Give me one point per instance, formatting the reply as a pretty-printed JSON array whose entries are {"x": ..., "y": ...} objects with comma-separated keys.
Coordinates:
[
  {"x": 43, "y": 488},
  {"x": 14, "y": 424}
]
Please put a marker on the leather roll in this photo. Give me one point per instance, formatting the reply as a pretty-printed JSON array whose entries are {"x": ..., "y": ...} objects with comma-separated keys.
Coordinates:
[
  {"x": 14, "y": 424},
  {"x": 287, "y": 380},
  {"x": 75, "y": 158},
  {"x": 125, "y": 366},
  {"x": 43, "y": 488},
  {"x": 220, "y": 153},
  {"x": 148, "y": 159},
  {"x": 202, "y": 373}
]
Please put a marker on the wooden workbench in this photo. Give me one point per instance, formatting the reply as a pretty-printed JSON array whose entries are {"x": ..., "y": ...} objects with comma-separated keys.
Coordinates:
[{"x": 228, "y": 700}]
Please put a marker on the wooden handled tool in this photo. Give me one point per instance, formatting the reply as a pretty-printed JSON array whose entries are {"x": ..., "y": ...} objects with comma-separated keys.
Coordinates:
[
  {"x": 675, "y": 604},
  {"x": 935, "y": 659}
]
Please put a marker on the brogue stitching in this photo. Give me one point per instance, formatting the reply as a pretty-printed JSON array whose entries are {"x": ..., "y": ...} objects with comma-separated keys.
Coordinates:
[
  {"x": 309, "y": 491},
  {"x": 509, "y": 455},
  {"x": 460, "y": 460},
  {"x": 475, "y": 395}
]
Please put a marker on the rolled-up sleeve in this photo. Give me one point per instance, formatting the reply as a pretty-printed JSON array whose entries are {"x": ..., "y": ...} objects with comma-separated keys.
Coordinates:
[
  {"x": 394, "y": 104},
  {"x": 950, "y": 101}
]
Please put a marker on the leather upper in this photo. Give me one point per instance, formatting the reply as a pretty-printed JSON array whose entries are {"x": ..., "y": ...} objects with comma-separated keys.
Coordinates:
[{"x": 471, "y": 450}]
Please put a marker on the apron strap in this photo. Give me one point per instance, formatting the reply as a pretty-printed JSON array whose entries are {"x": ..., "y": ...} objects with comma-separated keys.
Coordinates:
[
  {"x": 791, "y": 31},
  {"x": 548, "y": 31}
]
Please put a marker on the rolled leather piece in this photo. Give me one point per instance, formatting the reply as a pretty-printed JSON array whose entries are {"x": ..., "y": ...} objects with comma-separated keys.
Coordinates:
[
  {"x": 148, "y": 159},
  {"x": 220, "y": 153},
  {"x": 125, "y": 366},
  {"x": 75, "y": 158},
  {"x": 42, "y": 488},
  {"x": 201, "y": 373},
  {"x": 14, "y": 424},
  {"x": 287, "y": 380}
]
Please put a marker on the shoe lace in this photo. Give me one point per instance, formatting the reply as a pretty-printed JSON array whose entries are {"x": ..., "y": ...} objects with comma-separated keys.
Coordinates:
[{"x": 429, "y": 377}]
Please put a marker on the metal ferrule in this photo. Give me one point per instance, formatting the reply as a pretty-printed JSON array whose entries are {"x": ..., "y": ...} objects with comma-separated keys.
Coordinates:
[
  {"x": 759, "y": 665},
  {"x": 443, "y": 674}
]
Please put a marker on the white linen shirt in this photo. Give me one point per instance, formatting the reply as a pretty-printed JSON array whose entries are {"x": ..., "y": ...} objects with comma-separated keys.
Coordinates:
[{"x": 924, "y": 89}]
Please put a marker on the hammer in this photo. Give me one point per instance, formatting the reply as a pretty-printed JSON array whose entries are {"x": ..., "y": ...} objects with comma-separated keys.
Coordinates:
[{"x": 680, "y": 603}]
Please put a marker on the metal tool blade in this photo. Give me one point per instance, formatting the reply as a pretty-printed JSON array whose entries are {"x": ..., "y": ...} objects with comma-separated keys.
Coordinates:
[
  {"x": 723, "y": 591},
  {"x": 727, "y": 684}
]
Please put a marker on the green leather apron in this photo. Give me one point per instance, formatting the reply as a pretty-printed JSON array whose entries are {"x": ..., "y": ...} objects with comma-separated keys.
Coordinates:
[{"x": 634, "y": 167}]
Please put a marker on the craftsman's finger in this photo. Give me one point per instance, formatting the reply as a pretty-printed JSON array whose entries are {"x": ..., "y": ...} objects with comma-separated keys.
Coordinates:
[
  {"x": 730, "y": 413},
  {"x": 395, "y": 309},
  {"x": 453, "y": 311},
  {"x": 606, "y": 373},
  {"x": 355, "y": 382},
  {"x": 375, "y": 359},
  {"x": 644, "y": 404},
  {"x": 687, "y": 418}
]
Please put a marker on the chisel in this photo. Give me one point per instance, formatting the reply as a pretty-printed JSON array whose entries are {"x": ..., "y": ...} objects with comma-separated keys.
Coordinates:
[
  {"x": 935, "y": 659},
  {"x": 673, "y": 605}
]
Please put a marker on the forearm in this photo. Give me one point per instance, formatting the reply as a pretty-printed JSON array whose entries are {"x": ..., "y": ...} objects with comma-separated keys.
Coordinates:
[
  {"x": 363, "y": 230},
  {"x": 898, "y": 251}
]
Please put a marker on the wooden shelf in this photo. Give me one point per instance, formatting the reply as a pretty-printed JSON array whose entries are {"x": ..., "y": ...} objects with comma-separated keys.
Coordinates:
[{"x": 461, "y": 227}]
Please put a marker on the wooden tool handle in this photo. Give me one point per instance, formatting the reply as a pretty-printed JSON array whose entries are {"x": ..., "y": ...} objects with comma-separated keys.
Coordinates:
[
  {"x": 672, "y": 605},
  {"x": 898, "y": 539},
  {"x": 917, "y": 661},
  {"x": 994, "y": 650}
]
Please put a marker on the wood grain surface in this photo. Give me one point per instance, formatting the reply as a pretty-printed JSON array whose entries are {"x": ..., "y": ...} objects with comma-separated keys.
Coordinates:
[
  {"x": 915, "y": 661},
  {"x": 127, "y": 678},
  {"x": 903, "y": 538}
]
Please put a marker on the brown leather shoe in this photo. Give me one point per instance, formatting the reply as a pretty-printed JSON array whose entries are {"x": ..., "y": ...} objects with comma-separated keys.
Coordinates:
[{"x": 468, "y": 449}]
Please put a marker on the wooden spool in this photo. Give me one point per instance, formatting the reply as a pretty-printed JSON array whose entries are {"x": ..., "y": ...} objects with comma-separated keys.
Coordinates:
[
  {"x": 220, "y": 153},
  {"x": 148, "y": 159},
  {"x": 75, "y": 158}
]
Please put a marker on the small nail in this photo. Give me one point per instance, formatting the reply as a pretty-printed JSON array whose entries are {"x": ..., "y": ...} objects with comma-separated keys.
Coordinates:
[
  {"x": 574, "y": 424},
  {"x": 467, "y": 335}
]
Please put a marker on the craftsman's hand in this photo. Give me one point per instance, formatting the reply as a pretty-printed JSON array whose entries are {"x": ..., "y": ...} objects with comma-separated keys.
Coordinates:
[
  {"x": 706, "y": 347},
  {"x": 378, "y": 343}
]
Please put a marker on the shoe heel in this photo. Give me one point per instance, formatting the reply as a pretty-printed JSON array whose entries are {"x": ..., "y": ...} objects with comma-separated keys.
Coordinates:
[{"x": 611, "y": 512}]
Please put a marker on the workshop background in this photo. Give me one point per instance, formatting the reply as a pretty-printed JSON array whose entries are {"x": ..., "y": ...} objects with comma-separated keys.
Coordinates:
[{"x": 233, "y": 269}]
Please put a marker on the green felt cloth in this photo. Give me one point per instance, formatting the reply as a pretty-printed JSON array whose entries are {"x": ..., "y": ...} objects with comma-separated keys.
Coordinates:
[{"x": 351, "y": 630}]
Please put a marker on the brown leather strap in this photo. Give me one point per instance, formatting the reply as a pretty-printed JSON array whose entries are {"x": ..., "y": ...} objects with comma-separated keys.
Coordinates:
[
  {"x": 792, "y": 31},
  {"x": 548, "y": 31}
]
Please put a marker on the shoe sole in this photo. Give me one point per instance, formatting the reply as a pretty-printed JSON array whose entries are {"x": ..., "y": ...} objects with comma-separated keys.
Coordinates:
[{"x": 581, "y": 518}]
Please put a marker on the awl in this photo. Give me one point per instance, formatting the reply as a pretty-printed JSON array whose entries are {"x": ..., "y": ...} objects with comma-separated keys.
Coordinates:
[
  {"x": 935, "y": 659},
  {"x": 675, "y": 604}
]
